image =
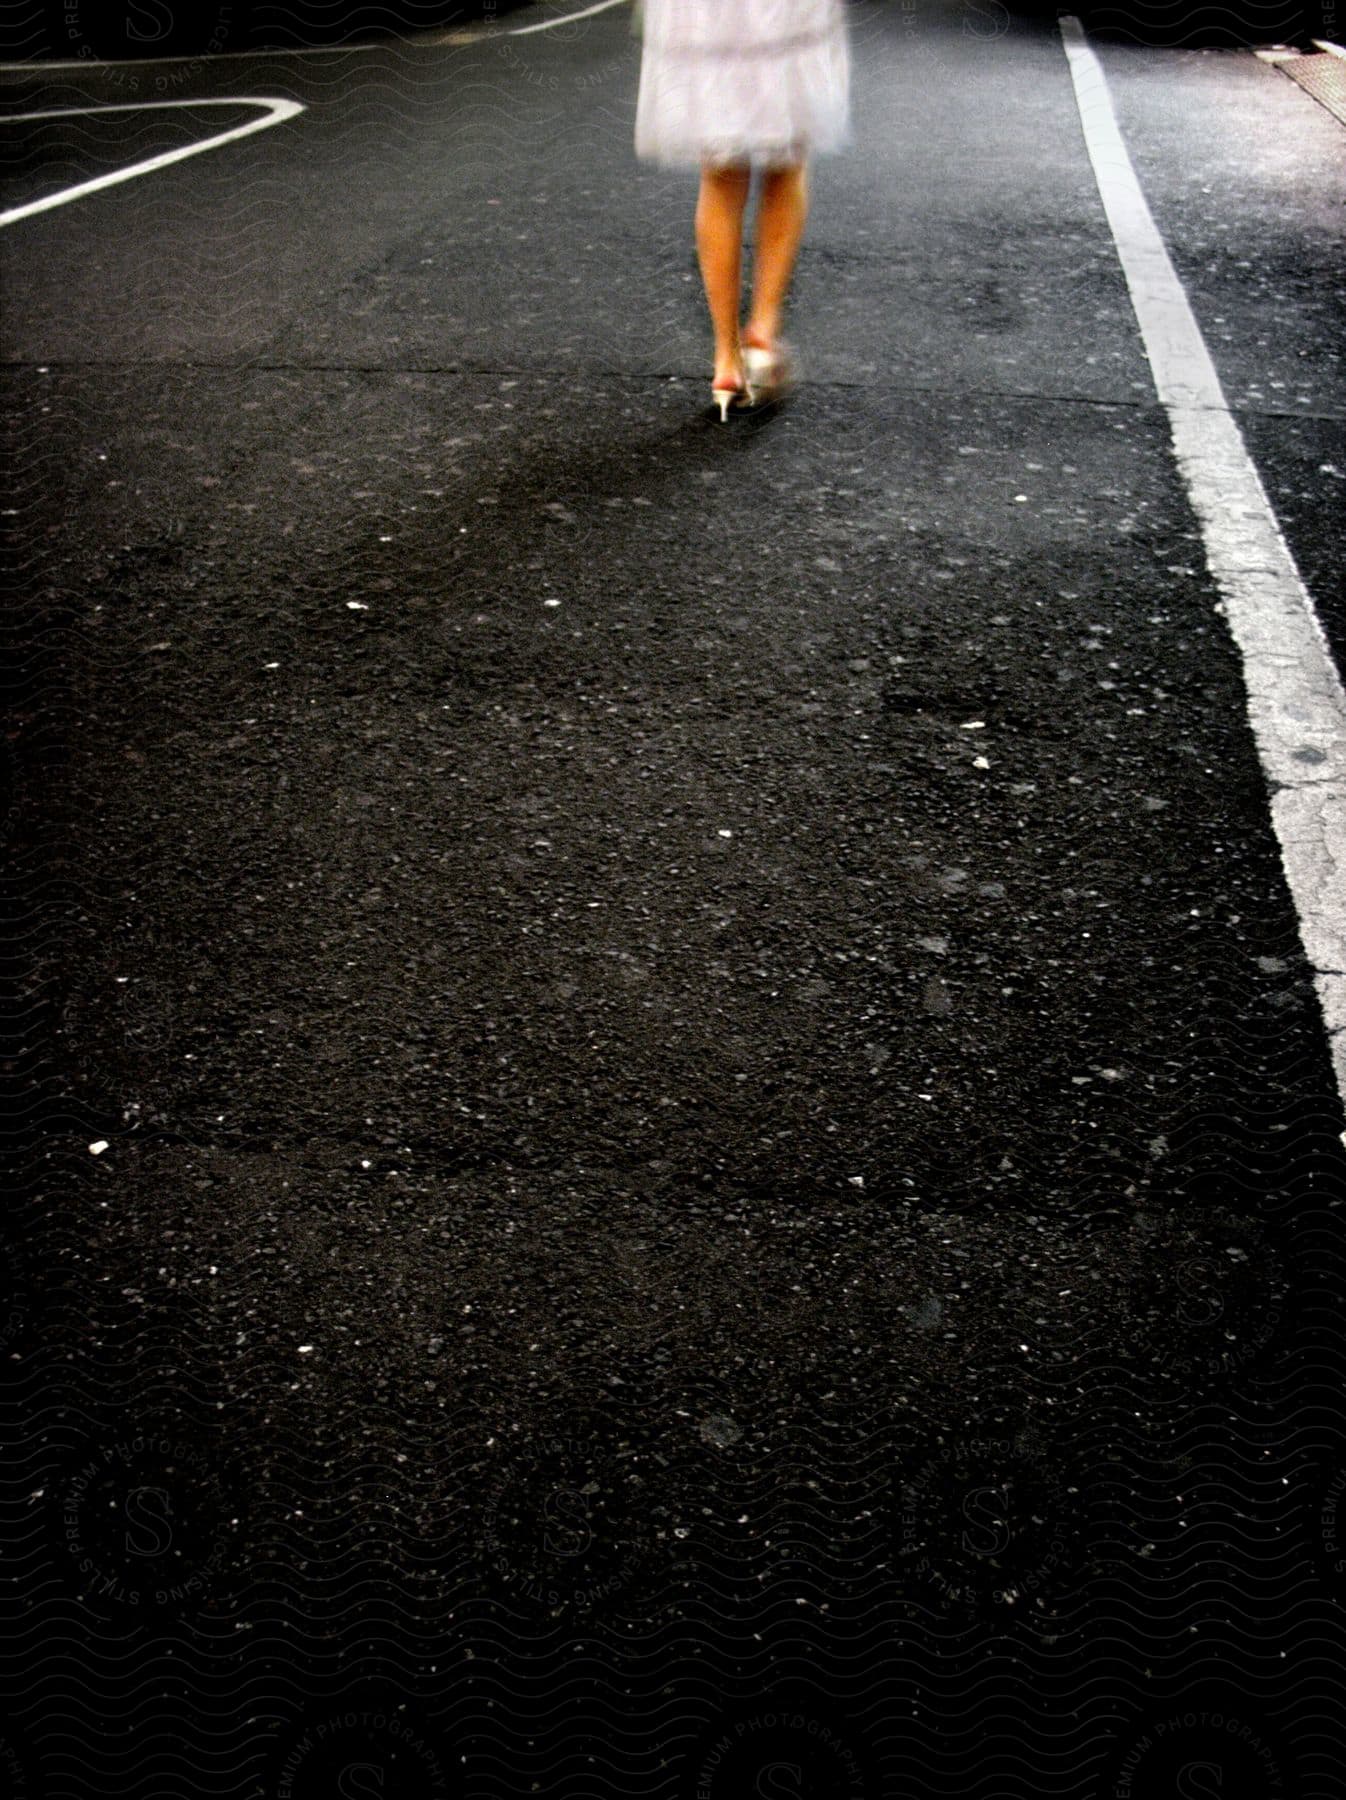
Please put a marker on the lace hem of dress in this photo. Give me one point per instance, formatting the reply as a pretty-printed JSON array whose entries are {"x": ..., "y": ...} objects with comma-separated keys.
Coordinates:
[
  {"x": 760, "y": 152},
  {"x": 770, "y": 47}
]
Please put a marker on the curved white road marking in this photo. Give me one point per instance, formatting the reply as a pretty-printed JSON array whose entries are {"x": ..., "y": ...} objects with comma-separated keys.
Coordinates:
[
  {"x": 275, "y": 112},
  {"x": 136, "y": 62},
  {"x": 1296, "y": 702}
]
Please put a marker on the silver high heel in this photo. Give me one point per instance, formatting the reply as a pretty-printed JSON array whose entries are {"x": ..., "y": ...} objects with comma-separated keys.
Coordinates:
[
  {"x": 770, "y": 374},
  {"x": 725, "y": 397}
]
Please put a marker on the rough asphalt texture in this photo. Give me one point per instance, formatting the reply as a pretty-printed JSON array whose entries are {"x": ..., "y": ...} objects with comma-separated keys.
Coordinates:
[{"x": 721, "y": 1172}]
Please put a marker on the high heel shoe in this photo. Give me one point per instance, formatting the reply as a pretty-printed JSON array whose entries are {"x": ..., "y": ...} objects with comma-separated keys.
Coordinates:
[
  {"x": 769, "y": 373},
  {"x": 725, "y": 397}
]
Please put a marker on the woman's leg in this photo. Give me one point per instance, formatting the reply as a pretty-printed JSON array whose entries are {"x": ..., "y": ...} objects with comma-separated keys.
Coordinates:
[
  {"x": 782, "y": 209},
  {"x": 719, "y": 245}
]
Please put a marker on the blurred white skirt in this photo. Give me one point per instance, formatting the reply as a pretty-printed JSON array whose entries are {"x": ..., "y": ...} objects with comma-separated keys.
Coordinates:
[{"x": 760, "y": 81}]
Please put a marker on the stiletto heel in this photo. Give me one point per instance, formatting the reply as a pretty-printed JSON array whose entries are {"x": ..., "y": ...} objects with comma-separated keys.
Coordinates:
[
  {"x": 768, "y": 373},
  {"x": 725, "y": 397}
]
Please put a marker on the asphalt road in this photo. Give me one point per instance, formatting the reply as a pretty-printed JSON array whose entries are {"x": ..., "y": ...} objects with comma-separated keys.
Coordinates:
[{"x": 673, "y": 1133}]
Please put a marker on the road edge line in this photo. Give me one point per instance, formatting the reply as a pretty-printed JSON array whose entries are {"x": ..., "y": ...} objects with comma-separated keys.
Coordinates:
[{"x": 1296, "y": 702}]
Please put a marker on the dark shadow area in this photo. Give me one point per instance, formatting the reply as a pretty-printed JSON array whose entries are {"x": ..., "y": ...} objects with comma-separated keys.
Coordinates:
[
  {"x": 58, "y": 30},
  {"x": 1193, "y": 24},
  {"x": 51, "y": 30}
]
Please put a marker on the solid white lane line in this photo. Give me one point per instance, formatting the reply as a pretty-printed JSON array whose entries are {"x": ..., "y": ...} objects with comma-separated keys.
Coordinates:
[
  {"x": 551, "y": 24},
  {"x": 276, "y": 111},
  {"x": 135, "y": 62},
  {"x": 94, "y": 63},
  {"x": 1296, "y": 702}
]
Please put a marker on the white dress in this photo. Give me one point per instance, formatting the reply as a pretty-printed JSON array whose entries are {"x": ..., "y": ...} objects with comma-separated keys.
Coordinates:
[{"x": 757, "y": 81}]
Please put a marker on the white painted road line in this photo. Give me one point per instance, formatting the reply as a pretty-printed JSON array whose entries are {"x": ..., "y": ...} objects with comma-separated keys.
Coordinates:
[
  {"x": 275, "y": 112},
  {"x": 40, "y": 65},
  {"x": 467, "y": 35},
  {"x": 1296, "y": 702},
  {"x": 568, "y": 19}
]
